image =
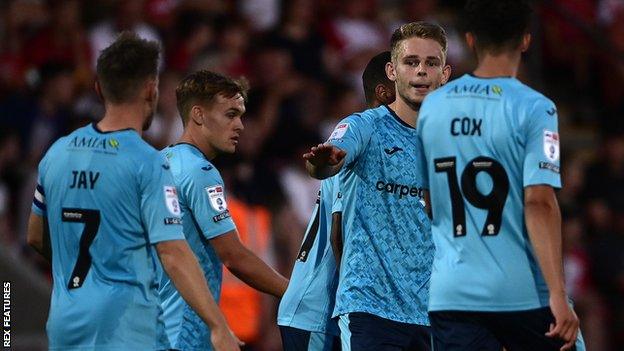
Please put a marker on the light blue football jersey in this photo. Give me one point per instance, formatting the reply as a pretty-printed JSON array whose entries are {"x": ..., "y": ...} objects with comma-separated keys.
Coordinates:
[
  {"x": 387, "y": 254},
  {"x": 309, "y": 300},
  {"x": 204, "y": 216},
  {"x": 107, "y": 197},
  {"x": 485, "y": 140}
]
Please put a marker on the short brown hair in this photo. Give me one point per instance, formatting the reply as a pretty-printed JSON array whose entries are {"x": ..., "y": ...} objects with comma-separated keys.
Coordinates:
[
  {"x": 124, "y": 66},
  {"x": 420, "y": 29},
  {"x": 203, "y": 86}
]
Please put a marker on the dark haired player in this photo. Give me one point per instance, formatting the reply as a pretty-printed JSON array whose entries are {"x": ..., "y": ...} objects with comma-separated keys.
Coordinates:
[
  {"x": 378, "y": 88},
  {"x": 107, "y": 197},
  {"x": 305, "y": 312},
  {"x": 492, "y": 156}
]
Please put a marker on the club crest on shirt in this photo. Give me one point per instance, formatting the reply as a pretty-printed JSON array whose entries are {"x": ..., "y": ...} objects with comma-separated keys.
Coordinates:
[
  {"x": 217, "y": 197},
  {"x": 171, "y": 200},
  {"x": 551, "y": 145},
  {"x": 339, "y": 131}
]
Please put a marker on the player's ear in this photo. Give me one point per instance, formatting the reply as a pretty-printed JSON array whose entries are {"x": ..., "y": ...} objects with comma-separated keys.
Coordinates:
[
  {"x": 526, "y": 41},
  {"x": 98, "y": 89},
  {"x": 390, "y": 71},
  {"x": 380, "y": 93},
  {"x": 446, "y": 74},
  {"x": 197, "y": 115},
  {"x": 151, "y": 90},
  {"x": 470, "y": 41}
]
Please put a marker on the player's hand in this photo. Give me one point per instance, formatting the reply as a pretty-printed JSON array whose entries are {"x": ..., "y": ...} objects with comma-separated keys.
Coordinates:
[
  {"x": 324, "y": 154},
  {"x": 224, "y": 340},
  {"x": 566, "y": 325}
]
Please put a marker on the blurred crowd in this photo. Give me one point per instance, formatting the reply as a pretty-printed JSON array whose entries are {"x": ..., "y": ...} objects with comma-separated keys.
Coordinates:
[{"x": 304, "y": 60}]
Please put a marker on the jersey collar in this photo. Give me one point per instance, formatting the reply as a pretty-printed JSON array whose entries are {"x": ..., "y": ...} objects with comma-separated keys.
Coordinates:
[
  {"x": 97, "y": 130},
  {"x": 192, "y": 146},
  {"x": 398, "y": 119}
]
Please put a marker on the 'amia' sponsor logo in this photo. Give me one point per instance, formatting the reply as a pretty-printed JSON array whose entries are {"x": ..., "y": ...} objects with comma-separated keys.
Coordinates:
[
  {"x": 485, "y": 90},
  {"x": 95, "y": 143}
]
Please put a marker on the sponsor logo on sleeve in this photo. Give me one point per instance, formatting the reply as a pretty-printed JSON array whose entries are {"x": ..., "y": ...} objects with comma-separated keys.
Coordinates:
[
  {"x": 551, "y": 145},
  {"x": 339, "y": 131},
  {"x": 171, "y": 200},
  {"x": 217, "y": 197},
  {"x": 549, "y": 166},
  {"x": 221, "y": 216},
  {"x": 172, "y": 220}
]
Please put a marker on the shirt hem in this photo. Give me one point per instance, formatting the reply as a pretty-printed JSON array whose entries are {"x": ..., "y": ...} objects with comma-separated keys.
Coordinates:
[
  {"x": 486, "y": 308},
  {"x": 293, "y": 324},
  {"x": 338, "y": 313}
]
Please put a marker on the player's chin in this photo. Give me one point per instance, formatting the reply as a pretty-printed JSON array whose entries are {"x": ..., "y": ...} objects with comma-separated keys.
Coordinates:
[
  {"x": 417, "y": 99},
  {"x": 230, "y": 148}
]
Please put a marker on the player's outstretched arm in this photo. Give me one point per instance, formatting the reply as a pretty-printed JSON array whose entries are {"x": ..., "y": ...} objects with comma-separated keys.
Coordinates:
[
  {"x": 543, "y": 221},
  {"x": 182, "y": 267},
  {"x": 38, "y": 236},
  {"x": 246, "y": 266},
  {"x": 336, "y": 236},
  {"x": 324, "y": 160}
]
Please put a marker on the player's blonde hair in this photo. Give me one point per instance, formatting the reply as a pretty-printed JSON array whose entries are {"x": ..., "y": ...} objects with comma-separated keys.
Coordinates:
[{"x": 419, "y": 29}]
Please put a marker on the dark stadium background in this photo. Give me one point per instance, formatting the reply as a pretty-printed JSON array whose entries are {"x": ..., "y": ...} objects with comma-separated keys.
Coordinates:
[{"x": 304, "y": 59}]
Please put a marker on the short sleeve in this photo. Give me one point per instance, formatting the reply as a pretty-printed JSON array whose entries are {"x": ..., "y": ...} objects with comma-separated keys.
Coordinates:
[
  {"x": 351, "y": 135},
  {"x": 160, "y": 208},
  {"x": 542, "y": 151},
  {"x": 39, "y": 202},
  {"x": 337, "y": 195},
  {"x": 205, "y": 196}
]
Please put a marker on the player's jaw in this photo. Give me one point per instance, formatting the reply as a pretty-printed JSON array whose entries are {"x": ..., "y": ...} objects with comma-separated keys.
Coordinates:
[
  {"x": 231, "y": 143},
  {"x": 223, "y": 141},
  {"x": 413, "y": 93}
]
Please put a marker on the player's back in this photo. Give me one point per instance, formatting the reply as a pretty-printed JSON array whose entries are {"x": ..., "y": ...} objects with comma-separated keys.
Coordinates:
[
  {"x": 309, "y": 300},
  {"x": 484, "y": 141},
  {"x": 98, "y": 187}
]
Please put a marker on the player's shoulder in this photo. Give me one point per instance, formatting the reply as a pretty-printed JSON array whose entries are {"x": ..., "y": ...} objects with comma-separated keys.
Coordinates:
[
  {"x": 361, "y": 122},
  {"x": 534, "y": 99},
  {"x": 529, "y": 95},
  {"x": 368, "y": 117},
  {"x": 76, "y": 137},
  {"x": 189, "y": 163},
  {"x": 531, "y": 104}
]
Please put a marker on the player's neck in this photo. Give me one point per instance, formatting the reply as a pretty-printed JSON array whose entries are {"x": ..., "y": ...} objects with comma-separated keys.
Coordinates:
[
  {"x": 502, "y": 65},
  {"x": 189, "y": 137},
  {"x": 404, "y": 111},
  {"x": 124, "y": 116}
]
